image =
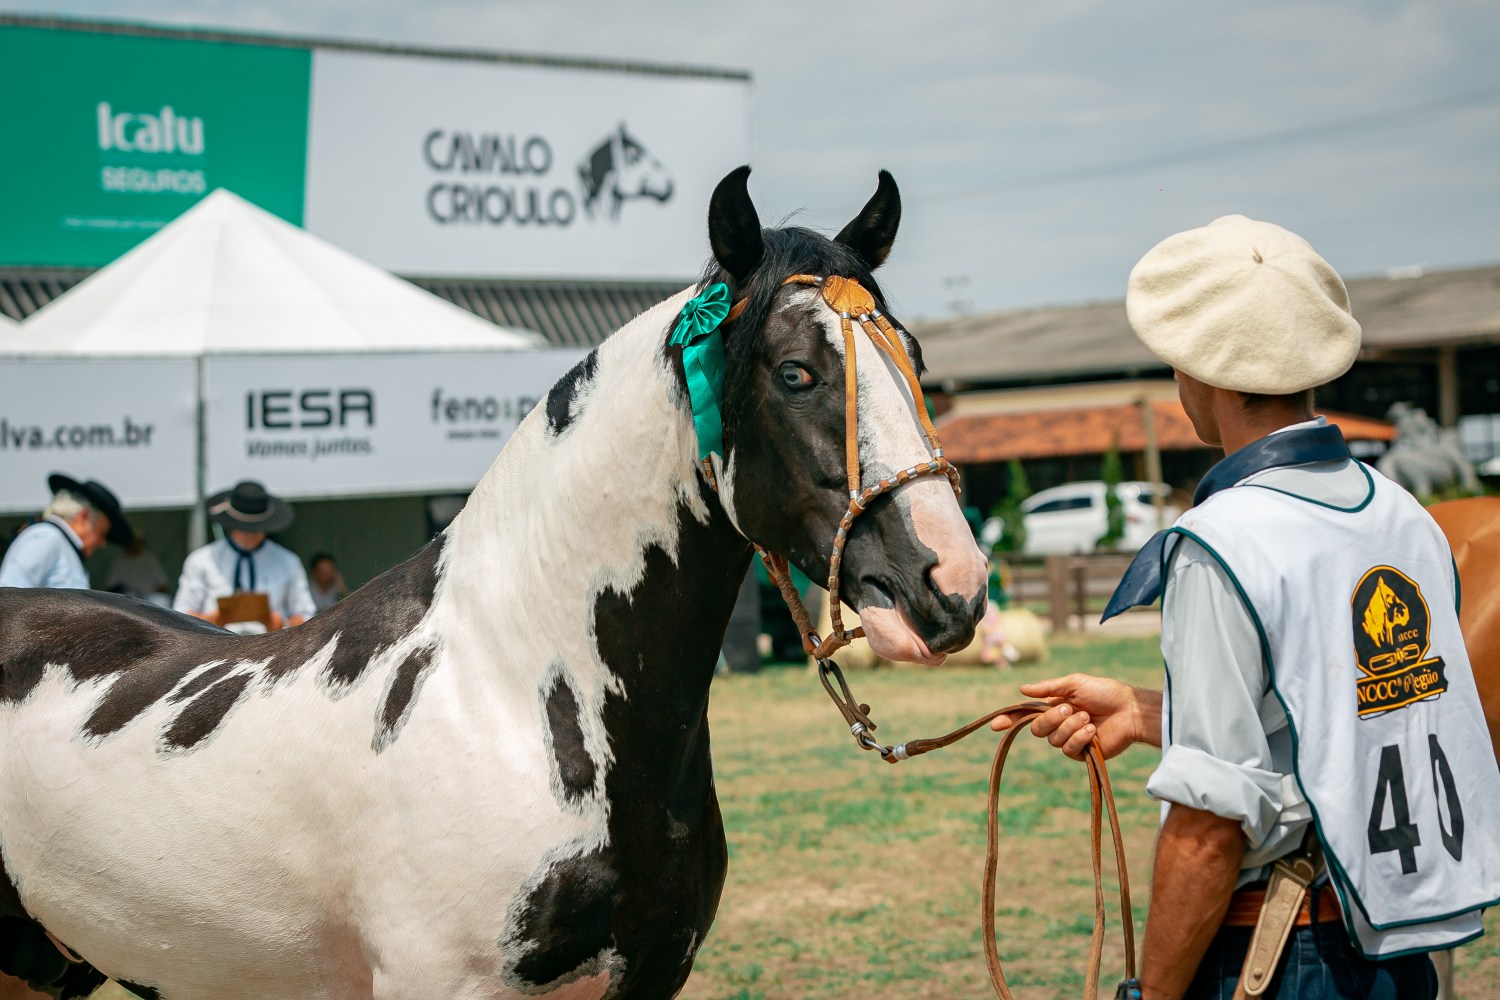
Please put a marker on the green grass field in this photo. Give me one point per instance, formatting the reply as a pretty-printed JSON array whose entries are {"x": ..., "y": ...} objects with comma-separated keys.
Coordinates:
[{"x": 852, "y": 877}]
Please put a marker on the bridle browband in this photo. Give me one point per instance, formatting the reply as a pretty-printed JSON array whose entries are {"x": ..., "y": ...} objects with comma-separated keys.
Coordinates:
[{"x": 855, "y": 305}]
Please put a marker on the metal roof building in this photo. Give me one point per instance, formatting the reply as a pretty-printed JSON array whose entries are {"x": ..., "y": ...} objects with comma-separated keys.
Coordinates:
[
  {"x": 1417, "y": 312},
  {"x": 1057, "y": 386}
]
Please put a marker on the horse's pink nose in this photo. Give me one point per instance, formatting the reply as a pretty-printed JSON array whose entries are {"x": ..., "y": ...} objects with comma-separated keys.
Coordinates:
[
  {"x": 960, "y": 569},
  {"x": 962, "y": 573}
]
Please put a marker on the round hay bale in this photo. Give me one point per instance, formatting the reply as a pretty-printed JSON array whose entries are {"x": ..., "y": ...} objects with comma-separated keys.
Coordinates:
[
  {"x": 1004, "y": 638},
  {"x": 1023, "y": 630}
]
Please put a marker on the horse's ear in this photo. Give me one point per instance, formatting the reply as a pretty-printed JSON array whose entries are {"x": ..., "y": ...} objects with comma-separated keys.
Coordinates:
[
  {"x": 871, "y": 232},
  {"x": 733, "y": 226}
]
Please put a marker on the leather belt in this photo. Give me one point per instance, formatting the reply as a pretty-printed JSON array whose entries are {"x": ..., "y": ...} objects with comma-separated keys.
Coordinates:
[{"x": 1245, "y": 906}]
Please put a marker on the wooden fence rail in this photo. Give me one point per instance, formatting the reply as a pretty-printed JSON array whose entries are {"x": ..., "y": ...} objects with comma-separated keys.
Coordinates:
[{"x": 1069, "y": 585}]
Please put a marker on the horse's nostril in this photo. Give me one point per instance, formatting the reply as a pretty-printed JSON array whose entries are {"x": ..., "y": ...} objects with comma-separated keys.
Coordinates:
[
  {"x": 948, "y": 598},
  {"x": 929, "y": 574}
]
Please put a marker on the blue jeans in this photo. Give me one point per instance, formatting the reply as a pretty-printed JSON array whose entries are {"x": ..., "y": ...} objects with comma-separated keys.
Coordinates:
[{"x": 1319, "y": 962}]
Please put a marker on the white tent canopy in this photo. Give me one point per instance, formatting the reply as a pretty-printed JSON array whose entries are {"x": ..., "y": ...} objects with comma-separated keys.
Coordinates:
[
  {"x": 8, "y": 326},
  {"x": 234, "y": 345},
  {"x": 229, "y": 278}
]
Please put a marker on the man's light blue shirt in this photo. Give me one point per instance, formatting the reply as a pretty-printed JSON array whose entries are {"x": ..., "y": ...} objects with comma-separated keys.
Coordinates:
[{"x": 45, "y": 555}]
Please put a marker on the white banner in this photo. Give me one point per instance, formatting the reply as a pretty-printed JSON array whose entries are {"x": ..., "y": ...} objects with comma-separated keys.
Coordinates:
[
  {"x": 330, "y": 425},
  {"x": 129, "y": 424},
  {"x": 447, "y": 167}
]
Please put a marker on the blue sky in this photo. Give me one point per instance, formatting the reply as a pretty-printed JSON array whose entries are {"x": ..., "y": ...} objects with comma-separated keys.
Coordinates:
[{"x": 1042, "y": 148}]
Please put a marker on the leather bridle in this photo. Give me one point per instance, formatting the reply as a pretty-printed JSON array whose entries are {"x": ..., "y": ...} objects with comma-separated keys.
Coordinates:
[{"x": 855, "y": 306}]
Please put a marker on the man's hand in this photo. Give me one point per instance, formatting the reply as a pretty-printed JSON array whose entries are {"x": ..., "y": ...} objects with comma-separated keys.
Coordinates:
[
  {"x": 274, "y": 622},
  {"x": 1084, "y": 706},
  {"x": 212, "y": 617}
]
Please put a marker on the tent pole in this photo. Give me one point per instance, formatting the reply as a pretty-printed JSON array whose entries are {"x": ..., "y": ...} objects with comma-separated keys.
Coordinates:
[{"x": 198, "y": 517}]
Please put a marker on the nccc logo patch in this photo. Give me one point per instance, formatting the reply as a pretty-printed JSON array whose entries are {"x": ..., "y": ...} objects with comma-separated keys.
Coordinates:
[{"x": 1392, "y": 630}]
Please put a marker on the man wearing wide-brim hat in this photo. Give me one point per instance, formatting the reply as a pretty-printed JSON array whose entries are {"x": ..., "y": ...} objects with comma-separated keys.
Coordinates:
[
  {"x": 80, "y": 520},
  {"x": 1331, "y": 806},
  {"x": 245, "y": 560}
]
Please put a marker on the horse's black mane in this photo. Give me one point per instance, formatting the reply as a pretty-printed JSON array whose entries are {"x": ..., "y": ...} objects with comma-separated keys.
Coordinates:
[{"x": 789, "y": 250}]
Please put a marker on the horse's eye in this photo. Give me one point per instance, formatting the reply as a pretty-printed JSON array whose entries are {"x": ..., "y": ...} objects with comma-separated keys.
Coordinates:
[{"x": 796, "y": 377}]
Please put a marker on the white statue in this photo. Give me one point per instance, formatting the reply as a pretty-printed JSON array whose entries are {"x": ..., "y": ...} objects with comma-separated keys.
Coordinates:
[{"x": 1425, "y": 458}]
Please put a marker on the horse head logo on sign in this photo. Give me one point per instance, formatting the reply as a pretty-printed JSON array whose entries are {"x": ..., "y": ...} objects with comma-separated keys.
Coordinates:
[{"x": 623, "y": 169}]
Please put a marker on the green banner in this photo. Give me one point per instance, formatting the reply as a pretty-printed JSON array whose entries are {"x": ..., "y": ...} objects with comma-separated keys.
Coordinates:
[{"x": 109, "y": 137}]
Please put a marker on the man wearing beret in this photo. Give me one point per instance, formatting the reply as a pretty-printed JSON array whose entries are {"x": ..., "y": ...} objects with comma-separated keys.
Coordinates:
[
  {"x": 245, "y": 560},
  {"x": 1331, "y": 806},
  {"x": 79, "y": 521}
]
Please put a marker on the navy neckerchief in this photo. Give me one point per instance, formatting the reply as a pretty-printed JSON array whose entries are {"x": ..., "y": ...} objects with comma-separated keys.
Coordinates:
[
  {"x": 1142, "y": 583},
  {"x": 243, "y": 561}
]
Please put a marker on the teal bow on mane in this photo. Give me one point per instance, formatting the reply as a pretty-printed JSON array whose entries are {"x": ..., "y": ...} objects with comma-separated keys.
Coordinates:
[{"x": 697, "y": 333}]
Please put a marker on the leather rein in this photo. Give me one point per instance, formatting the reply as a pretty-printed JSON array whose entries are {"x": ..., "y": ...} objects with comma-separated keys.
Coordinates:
[
  {"x": 1101, "y": 803},
  {"x": 855, "y": 306}
]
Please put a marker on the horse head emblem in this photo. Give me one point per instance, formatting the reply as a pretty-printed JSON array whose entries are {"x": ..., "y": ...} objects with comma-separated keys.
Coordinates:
[
  {"x": 622, "y": 168},
  {"x": 1385, "y": 613}
]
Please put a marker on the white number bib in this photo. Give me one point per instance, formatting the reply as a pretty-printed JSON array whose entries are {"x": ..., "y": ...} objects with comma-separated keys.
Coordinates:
[{"x": 1357, "y": 611}]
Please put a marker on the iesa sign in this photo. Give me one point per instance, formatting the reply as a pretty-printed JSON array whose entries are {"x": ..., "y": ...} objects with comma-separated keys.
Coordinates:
[
  {"x": 273, "y": 410},
  {"x": 374, "y": 424},
  {"x": 477, "y": 167}
]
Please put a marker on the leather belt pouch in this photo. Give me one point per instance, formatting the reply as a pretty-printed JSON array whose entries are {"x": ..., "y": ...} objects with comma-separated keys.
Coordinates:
[{"x": 1285, "y": 893}]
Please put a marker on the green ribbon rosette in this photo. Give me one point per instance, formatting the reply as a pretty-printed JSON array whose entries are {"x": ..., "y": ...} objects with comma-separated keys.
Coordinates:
[{"x": 697, "y": 333}]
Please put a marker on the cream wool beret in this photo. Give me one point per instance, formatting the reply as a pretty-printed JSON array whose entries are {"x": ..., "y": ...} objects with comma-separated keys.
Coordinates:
[{"x": 1243, "y": 305}]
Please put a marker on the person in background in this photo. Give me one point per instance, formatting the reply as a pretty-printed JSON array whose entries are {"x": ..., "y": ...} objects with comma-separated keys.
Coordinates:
[
  {"x": 79, "y": 521},
  {"x": 246, "y": 561},
  {"x": 327, "y": 582},
  {"x": 138, "y": 574}
]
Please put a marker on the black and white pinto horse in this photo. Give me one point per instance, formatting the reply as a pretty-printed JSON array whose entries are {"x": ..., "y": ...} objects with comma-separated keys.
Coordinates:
[
  {"x": 486, "y": 774},
  {"x": 622, "y": 168}
]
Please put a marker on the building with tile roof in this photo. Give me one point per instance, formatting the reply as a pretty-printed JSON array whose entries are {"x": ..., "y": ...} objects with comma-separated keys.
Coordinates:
[{"x": 1054, "y": 387}]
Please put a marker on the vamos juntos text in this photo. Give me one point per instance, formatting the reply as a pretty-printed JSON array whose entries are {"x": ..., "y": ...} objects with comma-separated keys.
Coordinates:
[{"x": 309, "y": 409}]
